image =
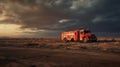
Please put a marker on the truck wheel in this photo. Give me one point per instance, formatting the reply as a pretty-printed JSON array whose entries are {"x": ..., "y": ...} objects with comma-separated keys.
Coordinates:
[
  {"x": 94, "y": 39},
  {"x": 85, "y": 40},
  {"x": 65, "y": 40},
  {"x": 72, "y": 40}
]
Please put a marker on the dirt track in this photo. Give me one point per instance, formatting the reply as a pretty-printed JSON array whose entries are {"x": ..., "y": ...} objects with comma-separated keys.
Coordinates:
[
  {"x": 35, "y": 57},
  {"x": 54, "y": 53}
]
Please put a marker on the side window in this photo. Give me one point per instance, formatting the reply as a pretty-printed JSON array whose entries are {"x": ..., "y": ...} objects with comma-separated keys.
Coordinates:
[
  {"x": 75, "y": 33},
  {"x": 81, "y": 32}
]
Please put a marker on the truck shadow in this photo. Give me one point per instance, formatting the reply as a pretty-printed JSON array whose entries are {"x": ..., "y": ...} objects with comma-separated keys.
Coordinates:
[{"x": 100, "y": 41}]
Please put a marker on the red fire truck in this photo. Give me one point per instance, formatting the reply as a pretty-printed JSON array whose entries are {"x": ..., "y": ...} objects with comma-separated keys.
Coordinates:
[{"x": 83, "y": 35}]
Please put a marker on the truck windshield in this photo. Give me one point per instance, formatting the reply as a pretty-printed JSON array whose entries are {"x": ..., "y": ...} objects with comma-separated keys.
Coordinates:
[
  {"x": 87, "y": 31},
  {"x": 84, "y": 31}
]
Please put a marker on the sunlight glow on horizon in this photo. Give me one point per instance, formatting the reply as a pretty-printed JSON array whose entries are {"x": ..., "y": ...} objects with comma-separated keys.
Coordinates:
[
  {"x": 14, "y": 30},
  {"x": 9, "y": 30}
]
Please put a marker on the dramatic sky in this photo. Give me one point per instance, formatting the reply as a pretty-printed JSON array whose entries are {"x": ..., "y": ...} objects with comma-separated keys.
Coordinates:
[{"x": 48, "y": 18}]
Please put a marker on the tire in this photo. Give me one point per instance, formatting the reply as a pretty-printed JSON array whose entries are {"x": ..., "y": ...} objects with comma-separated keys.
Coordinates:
[
  {"x": 94, "y": 39},
  {"x": 85, "y": 40},
  {"x": 65, "y": 40},
  {"x": 72, "y": 40}
]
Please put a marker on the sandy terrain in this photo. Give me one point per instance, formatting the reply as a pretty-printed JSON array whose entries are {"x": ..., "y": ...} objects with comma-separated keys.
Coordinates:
[{"x": 54, "y": 53}]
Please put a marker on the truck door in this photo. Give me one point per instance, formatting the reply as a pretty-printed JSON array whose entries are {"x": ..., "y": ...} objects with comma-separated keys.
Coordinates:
[
  {"x": 77, "y": 36},
  {"x": 81, "y": 35}
]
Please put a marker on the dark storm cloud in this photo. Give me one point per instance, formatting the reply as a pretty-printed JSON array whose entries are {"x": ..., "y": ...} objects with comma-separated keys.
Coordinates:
[
  {"x": 30, "y": 15},
  {"x": 97, "y": 15},
  {"x": 101, "y": 15},
  {"x": 107, "y": 17}
]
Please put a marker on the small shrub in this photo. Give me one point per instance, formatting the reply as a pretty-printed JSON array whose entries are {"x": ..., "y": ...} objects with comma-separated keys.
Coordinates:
[
  {"x": 32, "y": 65},
  {"x": 43, "y": 45},
  {"x": 61, "y": 46},
  {"x": 32, "y": 44},
  {"x": 83, "y": 47}
]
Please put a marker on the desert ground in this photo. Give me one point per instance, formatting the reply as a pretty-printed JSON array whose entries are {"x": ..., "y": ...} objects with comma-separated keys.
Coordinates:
[{"x": 52, "y": 52}]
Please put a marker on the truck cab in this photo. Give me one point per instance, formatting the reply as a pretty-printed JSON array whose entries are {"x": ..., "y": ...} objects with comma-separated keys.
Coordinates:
[{"x": 87, "y": 36}]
